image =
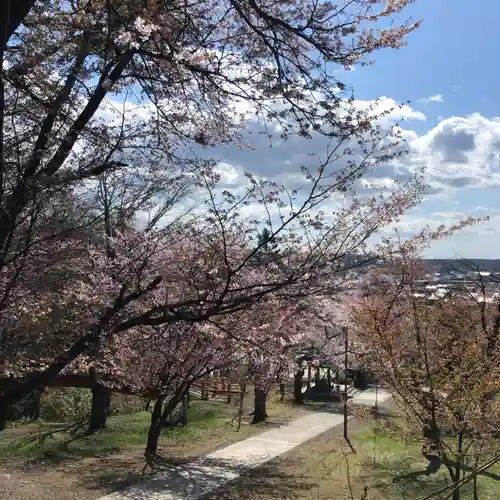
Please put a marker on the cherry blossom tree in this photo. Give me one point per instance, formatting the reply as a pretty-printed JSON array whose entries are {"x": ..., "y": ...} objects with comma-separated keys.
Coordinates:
[
  {"x": 92, "y": 92},
  {"x": 269, "y": 331},
  {"x": 164, "y": 362},
  {"x": 119, "y": 196},
  {"x": 323, "y": 340},
  {"x": 440, "y": 359}
]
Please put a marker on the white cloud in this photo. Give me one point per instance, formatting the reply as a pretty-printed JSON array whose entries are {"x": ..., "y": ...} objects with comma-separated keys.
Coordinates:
[
  {"x": 461, "y": 155},
  {"x": 432, "y": 98},
  {"x": 460, "y": 152},
  {"x": 396, "y": 112}
]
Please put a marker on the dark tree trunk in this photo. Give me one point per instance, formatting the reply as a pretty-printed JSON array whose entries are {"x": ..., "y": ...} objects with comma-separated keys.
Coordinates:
[
  {"x": 458, "y": 467},
  {"x": 155, "y": 428},
  {"x": 329, "y": 379},
  {"x": 4, "y": 412},
  {"x": 309, "y": 375},
  {"x": 282, "y": 393},
  {"x": 259, "y": 413},
  {"x": 298, "y": 397},
  {"x": 12, "y": 14},
  {"x": 36, "y": 403},
  {"x": 101, "y": 403},
  {"x": 317, "y": 376}
]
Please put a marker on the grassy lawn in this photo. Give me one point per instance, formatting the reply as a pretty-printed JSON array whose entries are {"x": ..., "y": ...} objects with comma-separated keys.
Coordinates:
[
  {"x": 318, "y": 470},
  {"x": 61, "y": 461}
]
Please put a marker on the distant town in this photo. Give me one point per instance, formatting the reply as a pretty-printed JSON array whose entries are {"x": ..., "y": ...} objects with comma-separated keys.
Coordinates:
[{"x": 479, "y": 278}]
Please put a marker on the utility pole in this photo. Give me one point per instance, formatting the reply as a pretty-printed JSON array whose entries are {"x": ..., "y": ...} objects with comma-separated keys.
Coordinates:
[{"x": 346, "y": 343}]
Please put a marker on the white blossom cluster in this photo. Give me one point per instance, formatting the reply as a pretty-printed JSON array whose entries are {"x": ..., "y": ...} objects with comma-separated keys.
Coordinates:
[{"x": 141, "y": 33}]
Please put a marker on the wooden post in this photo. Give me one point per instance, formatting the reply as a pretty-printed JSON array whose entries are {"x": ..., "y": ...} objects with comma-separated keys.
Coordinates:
[
  {"x": 204, "y": 393},
  {"x": 243, "y": 390},
  {"x": 229, "y": 388},
  {"x": 346, "y": 344},
  {"x": 282, "y": 393},
  {"x": 185, "y": 406}
]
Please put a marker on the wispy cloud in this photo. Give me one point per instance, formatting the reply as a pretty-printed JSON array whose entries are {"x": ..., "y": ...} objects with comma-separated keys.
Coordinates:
[{"x": 432, "y": 98}]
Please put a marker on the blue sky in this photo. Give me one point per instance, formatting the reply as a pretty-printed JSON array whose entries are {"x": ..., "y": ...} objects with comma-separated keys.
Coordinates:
[
  {"x": 449, "y": 72},
  {"x": 453, "y": 54},
  {"x": 455, "y": 46},
  {"x": 453, "y": 58}
]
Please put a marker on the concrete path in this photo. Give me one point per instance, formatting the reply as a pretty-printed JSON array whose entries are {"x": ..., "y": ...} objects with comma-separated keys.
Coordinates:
[
  {"x": 208, "y": 473},
  {"x": 369, "y": 396},
  {"x": 216, "y": 469}
]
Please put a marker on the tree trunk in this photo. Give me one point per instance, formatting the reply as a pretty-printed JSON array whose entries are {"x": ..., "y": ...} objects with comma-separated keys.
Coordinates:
[
  {"x": 101, "y": 403},
  {"x": 36, "y": 409},
  {"x": 4, "y": 411},
  {"x": 259, "y": 414},
  {"x": 282, "y": 393},
  {"x": 12, "y": 16},
  {"x": 458, "y": 466},
  {"x": 329, "y": 379},
  {"x": 155, "y": 428},
  {"x": 309, "y": 375},
  {"x": 298, "y": 397}
]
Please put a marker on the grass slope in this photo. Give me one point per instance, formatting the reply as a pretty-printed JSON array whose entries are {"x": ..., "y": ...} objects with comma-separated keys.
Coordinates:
[
  {"x": 327, "y": 469},
  {"x": 61, "y": 461}
]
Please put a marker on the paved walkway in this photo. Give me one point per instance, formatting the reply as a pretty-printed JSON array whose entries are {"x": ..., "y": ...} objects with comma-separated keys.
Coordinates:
[
  {"x": 368, "y": 397},
  {"x": 208, "y": 473},
  {"x": 216, "y": 469}
]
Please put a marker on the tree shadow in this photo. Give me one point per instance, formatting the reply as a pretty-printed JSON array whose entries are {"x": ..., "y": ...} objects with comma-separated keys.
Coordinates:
[
  {"x": 388, "y": 479},
  {"x": 434, "y": 466},
  {"x": 43, "y": 436},
  {"x": 193, "y": 477},
  {"x": 60, "y": 452}
]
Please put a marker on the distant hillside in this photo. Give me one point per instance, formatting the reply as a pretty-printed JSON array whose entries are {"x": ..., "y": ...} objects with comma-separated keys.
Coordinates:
[{"x": 446, "y": 265}]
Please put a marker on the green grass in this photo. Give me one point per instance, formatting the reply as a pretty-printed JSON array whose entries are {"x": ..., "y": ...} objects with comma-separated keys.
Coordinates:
[
  {"x": 46, "y": 440},
  {"x": 325, "y": 468},
  {"x": 393, "y": 467}
]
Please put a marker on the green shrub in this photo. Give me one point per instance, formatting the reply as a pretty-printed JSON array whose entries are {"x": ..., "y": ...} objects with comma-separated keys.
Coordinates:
[
  {"x": 65, "y": 404},
  {"x": 124, "y": 404}
]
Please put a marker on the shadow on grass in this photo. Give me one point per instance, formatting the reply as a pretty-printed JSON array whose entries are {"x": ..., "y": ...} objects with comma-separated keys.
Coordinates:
[
  {"x": 63, "y": 453},
  {"x": 393, "y": 481},
  {"x": 434, "y": 466},
  {"x": 39, "y": 438},
  {"x": 192, "y": 477}
]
